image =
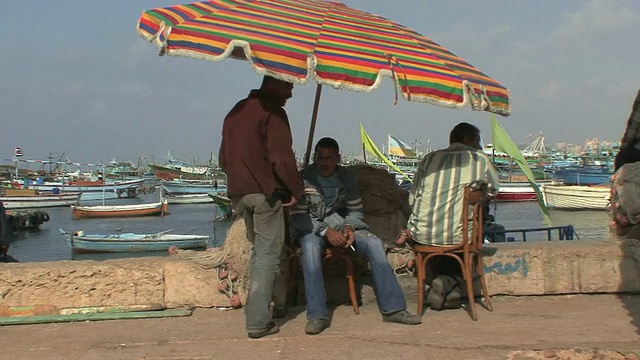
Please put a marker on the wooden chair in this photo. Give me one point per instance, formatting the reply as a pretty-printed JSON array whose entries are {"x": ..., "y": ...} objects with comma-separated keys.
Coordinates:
[
  {"x": 344, "y": 254},
  {"x": 468, "y": 253}
]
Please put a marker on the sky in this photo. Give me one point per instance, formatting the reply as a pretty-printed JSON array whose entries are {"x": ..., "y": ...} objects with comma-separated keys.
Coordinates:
[{"x": 77, "y": 79}]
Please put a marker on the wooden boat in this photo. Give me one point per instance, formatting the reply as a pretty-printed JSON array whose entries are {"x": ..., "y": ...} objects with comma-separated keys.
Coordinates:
[
  {"x": 193, "y": 186},
  {"x": 130, "y": 242},
  {"x": 130, "y": 210},
  {"x": 86, "y": 186},
  {"x": 576, "y": 197},
  {"x": 187, "y": 198},
  {"x": 584, "y": 176},
  {"x": 39, "y": 200},
  {"x": 223, "y": 203},
  {"x": 516, "y": 191}
]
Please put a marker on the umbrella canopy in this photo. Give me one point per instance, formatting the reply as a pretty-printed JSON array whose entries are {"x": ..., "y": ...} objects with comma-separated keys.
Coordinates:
[{"x": 329, "y": 42}]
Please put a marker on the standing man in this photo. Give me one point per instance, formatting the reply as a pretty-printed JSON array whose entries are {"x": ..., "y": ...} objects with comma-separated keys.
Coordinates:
[
  {"x": 262, "y": 178},
  {"x": 630, "y": 144},
  {"x": 331, "y": 215},
  {"x": 436, "y": 201}
]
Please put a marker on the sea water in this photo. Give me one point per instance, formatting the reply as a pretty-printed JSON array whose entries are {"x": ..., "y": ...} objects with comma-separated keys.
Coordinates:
[{"x": 47, "y": 244}]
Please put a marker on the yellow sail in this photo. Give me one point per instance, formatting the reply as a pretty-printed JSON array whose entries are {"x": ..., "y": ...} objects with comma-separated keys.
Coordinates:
[{"x": 371, "y": 147}]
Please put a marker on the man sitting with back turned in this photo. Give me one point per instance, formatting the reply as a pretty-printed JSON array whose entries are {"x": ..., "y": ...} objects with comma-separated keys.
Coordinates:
[
  {"x": 331, "y": 215},
  {"x": 436, "y": 201}
]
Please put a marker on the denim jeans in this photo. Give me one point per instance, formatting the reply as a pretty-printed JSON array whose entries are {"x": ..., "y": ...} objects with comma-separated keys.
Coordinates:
[
  {"x": 265, "y": 230},
  {"x": 388, "y": 292}
]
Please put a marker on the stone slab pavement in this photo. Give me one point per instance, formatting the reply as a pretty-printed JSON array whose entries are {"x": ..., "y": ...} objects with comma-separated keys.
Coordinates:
[{"x": 583, "y": 322}]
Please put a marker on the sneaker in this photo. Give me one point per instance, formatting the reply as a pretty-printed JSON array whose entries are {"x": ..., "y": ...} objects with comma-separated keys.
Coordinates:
[
  {"x": 271, "y": 329},
  {"x": 316, "y": 326},
  {"x": 437, "y": 294},
  {"x": 402, "y": 317}
]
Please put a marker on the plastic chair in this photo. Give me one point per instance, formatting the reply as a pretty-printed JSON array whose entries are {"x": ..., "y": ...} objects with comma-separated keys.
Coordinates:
[{"x": 468, "y": 253}]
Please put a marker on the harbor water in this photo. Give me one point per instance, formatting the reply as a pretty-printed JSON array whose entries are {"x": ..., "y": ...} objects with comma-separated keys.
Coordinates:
[{"x": 47, "y": 244}]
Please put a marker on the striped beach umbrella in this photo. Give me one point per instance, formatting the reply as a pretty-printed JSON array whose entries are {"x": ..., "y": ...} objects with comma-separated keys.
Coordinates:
[{"x": 325, "y": 41}]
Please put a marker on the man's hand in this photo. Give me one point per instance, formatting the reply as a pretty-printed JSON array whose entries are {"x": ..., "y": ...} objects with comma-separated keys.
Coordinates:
[
  {"x": 291, "y": 203},
  {"x": 349, "y": 234},
  {"x": 335, "y": 237}
]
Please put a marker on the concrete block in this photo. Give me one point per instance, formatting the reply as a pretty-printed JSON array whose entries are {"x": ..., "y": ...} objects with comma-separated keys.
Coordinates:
[{"x": 514, "y": 269}]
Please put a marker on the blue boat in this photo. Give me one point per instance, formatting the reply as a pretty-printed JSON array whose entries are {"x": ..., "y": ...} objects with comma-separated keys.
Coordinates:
[
  {"x": 584, "y": 176},
  {"x": 178, "y": 187},
  {"x": 130, "y": 242}
]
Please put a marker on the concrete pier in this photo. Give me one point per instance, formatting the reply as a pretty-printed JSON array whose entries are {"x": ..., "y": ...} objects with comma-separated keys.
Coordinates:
[{"x": 530, "y": 268}]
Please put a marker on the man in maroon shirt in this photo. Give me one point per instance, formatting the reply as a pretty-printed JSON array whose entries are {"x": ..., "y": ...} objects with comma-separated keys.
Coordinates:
[{"x": 262, "y": 179}]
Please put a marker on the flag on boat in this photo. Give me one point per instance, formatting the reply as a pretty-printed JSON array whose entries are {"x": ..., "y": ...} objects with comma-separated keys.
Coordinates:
[
  {"x": 503, "y": 142},
  {"x": 370, "y": 146},
  {"x": 19, "y": 151},
  {"x": 399, "y": 148}
]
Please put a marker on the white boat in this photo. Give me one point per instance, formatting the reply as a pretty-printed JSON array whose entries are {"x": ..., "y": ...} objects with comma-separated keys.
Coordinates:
[
  {"x": 130, "y": 242},
  {"x": 40, "y": 200},
  {"x": 187, "y": 198},
  {"x": 90, "y": 186},
  {"x": 193, "y": 186},
  {"x": 129, "y": 210},
  {"x": 576, "y": 197}
]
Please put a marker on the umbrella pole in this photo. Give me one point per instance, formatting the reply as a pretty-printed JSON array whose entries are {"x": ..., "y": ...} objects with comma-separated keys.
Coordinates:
[{"x": 312, "y": 127}]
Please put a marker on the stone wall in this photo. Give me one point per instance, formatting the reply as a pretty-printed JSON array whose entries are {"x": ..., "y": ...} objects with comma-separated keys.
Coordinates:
[{"x": 531, "y": 268}]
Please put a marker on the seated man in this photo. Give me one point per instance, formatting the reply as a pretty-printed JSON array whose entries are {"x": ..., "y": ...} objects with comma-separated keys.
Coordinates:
[
  {"x": 331, "y": 215},
  {"x": 436, "y": 202}
]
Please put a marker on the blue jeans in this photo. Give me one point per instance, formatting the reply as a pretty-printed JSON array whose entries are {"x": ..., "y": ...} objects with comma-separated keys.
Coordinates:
[
  {"x": 388, "y": 292},
  {"x": 265, "y": 230}
]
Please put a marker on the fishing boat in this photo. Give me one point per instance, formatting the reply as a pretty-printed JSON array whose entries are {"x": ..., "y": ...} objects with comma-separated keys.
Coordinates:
[
  {"x": 187, "y": 198},
  {"x": 129, "y": 210},
  {"x": 576, "y": 197},
  {"x": 516, "y": 191},
  {"x": 93, "y": 190},
  {"x": 131, "y": 242},
  {"x": 224, "y": 205},
  {"x": 193, "y": 186},
  {"x": 584, "y": 176},
  {"x": 39, "y": 200}
]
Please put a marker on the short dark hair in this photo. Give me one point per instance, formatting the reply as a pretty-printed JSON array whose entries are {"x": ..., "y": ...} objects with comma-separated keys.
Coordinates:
[
  {"x": 461, "y": 131},
  {"x": 327, "y": 143}
]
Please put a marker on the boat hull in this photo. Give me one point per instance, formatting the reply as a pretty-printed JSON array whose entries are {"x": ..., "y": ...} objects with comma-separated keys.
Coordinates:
[
  {"x": 40, "y": 201},
  {"x": 576, "y": 197},
  {"x": 188, "y": 199},
  {"x": 154, "y": 209},
  {"x": 82, "y": 244}
]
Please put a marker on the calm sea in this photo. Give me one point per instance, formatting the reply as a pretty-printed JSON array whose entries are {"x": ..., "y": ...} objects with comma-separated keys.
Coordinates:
[{"x": 47, "y": 244}]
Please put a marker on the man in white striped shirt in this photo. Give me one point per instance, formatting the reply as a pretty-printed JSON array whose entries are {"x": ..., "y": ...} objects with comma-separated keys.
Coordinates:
[{"x": 437, "y": 196}]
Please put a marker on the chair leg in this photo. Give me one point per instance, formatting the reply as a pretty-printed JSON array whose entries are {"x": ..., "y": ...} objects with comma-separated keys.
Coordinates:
[
  {"x": 485, "y": 291},
  {"x": 468, "y": 274},
  {"x": 352, "y": 284},
  {"x": 421, "y": 278}
]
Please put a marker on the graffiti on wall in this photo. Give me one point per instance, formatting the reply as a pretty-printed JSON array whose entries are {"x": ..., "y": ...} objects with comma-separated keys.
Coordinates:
[{"x": 509, "y": 264}]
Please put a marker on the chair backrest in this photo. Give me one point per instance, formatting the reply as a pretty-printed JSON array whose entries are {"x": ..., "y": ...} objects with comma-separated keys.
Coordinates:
[{"x": 473, "y": 198}]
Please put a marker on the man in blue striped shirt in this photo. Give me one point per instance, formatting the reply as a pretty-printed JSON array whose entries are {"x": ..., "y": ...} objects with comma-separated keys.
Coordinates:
[
  {"x": 436, "y": 199},
  {"x": 330, "y": 214}
]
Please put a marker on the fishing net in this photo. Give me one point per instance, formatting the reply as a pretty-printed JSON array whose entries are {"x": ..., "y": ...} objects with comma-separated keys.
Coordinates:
[
  {"x": 625, "y": 198},
  {"x": 230, "y": 263}
]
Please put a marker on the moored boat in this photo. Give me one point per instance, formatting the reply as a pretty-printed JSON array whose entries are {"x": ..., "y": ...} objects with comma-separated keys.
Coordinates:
[
  {"x": 187, "y": 198},
  {"x": 40, "y": 200},
  {"x": 129, "y": 210},
  {"x": 193, "y": 186},
  {"x": 576, "y": 197},
  {"x": 131, "y": 242}
]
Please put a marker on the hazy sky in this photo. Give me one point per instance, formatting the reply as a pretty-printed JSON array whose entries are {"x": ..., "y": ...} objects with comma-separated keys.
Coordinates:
[{"x": 76, "y": 77}]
